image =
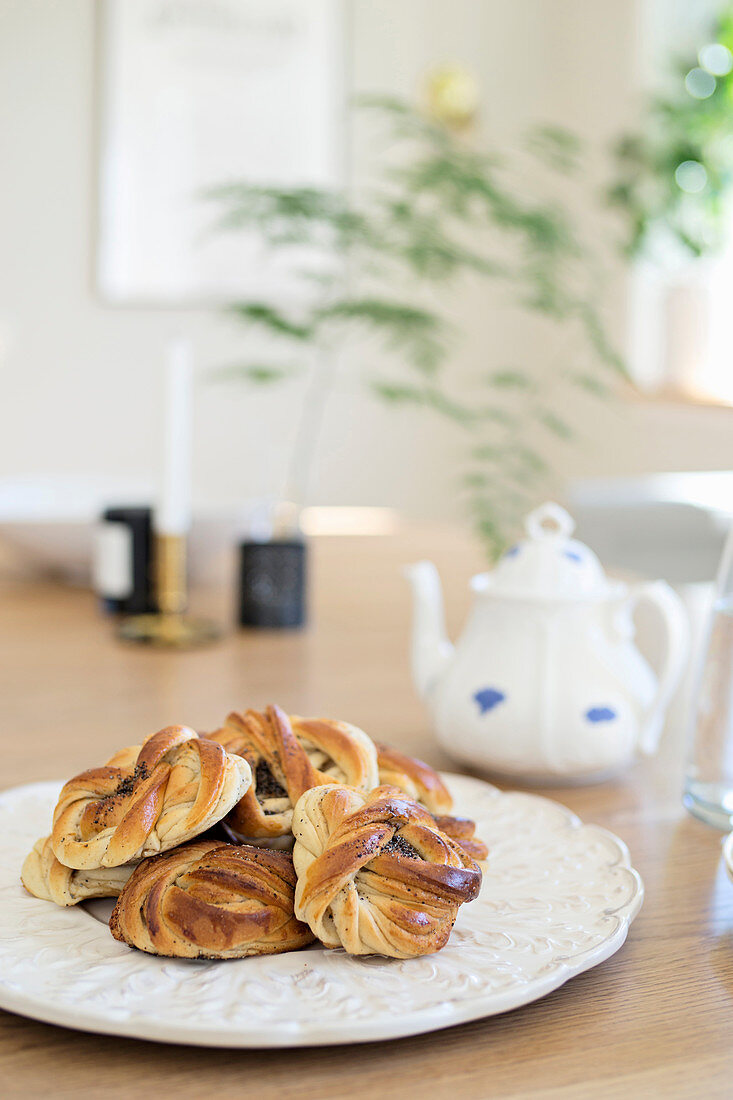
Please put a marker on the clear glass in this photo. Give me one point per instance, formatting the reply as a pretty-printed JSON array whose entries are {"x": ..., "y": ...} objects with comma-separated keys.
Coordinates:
[{"x": 708, "y": 792}]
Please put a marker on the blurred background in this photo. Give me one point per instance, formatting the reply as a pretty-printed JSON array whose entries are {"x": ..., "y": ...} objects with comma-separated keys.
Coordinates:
[{"x": 588, "y": 327}]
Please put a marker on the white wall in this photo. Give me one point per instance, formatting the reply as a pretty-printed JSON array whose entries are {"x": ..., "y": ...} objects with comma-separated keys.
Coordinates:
[{"x": 79, "y": 381}]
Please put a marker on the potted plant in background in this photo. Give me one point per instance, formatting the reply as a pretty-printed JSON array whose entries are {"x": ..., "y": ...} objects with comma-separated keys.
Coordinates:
[
  {"x": 381, "y": 260},
  {"x": 673, "y": 180}
]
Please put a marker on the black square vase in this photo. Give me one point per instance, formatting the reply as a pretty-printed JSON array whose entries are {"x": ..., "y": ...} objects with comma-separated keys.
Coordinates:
[{"x": 272, "y": 583}]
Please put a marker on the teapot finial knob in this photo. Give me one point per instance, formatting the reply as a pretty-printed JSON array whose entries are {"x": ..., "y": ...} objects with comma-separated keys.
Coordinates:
[{"x": 549, "y": 521}]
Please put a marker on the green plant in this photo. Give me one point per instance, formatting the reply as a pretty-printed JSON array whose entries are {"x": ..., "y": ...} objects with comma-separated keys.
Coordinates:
[
  {"x": 437, "y": 212},
  {"x": 674, "y": 178}
]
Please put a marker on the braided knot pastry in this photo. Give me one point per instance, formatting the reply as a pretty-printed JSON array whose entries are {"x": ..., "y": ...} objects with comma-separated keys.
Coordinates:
[
  {"x": 414, "y": 777},
  {"x": 44, "y": 877},
  {"x": 288, "y": 755},
  {"x": 206, "y": 900},
  {"x": 419, "y": 781},
  {"x": 146, "y": 799},
  {"x": 375, "y": 874},
  {"x": 462, "y": 830}
]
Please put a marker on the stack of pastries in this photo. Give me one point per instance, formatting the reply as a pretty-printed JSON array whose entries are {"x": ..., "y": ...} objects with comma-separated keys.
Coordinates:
[{"x": 261, "y": 837}]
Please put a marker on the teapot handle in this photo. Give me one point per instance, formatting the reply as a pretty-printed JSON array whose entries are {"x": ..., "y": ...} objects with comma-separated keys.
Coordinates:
[{"x": 677, "y": 632}]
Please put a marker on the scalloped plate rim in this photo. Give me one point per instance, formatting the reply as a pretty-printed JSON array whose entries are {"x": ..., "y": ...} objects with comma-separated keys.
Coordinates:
[{"x": 293, "y": 1034}]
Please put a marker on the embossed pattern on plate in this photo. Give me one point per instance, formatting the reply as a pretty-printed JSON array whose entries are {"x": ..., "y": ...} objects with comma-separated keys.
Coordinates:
[{"x": 558, "y": 897}]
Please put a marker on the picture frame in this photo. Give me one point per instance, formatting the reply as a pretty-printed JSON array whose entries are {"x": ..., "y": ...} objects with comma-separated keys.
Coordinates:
[{"x": 199, "y": 93}]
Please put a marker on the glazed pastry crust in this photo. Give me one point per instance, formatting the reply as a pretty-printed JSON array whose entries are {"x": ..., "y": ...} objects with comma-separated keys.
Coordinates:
[
  {"x": 421, "y": 782},
  {"x": 147, "y": 799},
  {"x": 288, "y": 755},
  {"x": 375, "y": 874},
  {"x": 206, "y": 900},
  {"x": 44, "y": 877},
  {"x": 462, "y": 830},
  {"x": 414, "y": 777}
]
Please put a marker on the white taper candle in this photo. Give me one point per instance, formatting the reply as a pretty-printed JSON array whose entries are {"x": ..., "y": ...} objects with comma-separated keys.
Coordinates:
[{"x": 174, "y": 512}]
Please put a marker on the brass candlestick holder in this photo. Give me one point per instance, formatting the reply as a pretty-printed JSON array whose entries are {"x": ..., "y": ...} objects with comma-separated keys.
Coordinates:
[{"x": 170, "y": 627}]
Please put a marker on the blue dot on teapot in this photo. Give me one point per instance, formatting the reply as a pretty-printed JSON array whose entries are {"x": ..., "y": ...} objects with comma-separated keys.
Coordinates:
[
  {"x": 600, "y": 714},
  {"x": 488, "y": 698}
]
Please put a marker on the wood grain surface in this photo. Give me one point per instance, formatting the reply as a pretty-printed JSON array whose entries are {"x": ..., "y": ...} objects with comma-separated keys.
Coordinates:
[{"x": 655, "y": 1020}]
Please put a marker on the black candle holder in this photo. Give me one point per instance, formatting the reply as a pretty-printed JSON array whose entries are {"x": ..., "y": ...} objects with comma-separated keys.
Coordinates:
[
  {"x": 139, "y": 598},
  {"x": 272, "y": 583}
]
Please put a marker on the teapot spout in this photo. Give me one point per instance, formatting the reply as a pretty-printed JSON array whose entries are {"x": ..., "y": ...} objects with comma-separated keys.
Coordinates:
[{"x": 431, "y": 648}]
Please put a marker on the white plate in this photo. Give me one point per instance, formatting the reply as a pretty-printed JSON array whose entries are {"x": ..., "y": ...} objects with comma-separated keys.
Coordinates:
[{"x": 558, "y": 898}]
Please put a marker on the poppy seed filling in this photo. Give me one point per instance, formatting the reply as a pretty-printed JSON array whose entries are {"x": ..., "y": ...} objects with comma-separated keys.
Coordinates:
[
  {"x": 399, "y": 845},
  {"x": 266, "y": 784}
]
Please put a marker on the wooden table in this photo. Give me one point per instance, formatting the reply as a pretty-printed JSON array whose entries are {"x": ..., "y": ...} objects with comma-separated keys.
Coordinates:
[{"x": 655, "y": 1020}]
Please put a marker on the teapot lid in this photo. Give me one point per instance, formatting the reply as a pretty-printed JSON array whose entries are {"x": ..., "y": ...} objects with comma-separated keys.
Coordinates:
[{"x": 549, "y": 564}]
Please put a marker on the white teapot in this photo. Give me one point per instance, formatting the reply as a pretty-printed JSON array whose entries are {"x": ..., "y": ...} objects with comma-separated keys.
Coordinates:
[{"x": 546, "y": 681}]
